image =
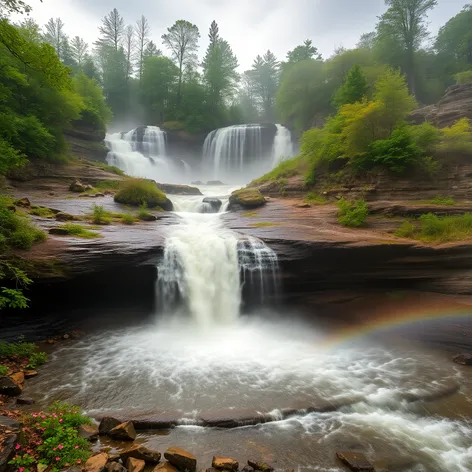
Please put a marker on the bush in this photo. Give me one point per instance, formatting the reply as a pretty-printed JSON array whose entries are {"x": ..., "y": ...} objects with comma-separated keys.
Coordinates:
[
  {"x": 137, "y": 192},
  {"x": 312, "y": 197},
  {"x": 100, "y": 216},
  {"x": 406, "y": 230},
  {"x": 464, "y": 77},
  {"x": 439, "y": 200},
  {"x": 19, "y": 348},
  {"x": 457, "y": 139},
  {"x": 79, "y": 231},
  {"x": 352, "y": 214},
  {"x": 445, "y": 228},
  {"x": 3, "y": 370},
  {"x": 425, "y": 136},
  {"x": 128, "y": 219},
  {"x": 36, "y": 359}
]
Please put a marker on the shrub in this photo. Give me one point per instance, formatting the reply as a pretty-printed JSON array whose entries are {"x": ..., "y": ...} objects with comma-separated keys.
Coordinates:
[
  {"x": 457, "y": 138},
  {"x": 439, "y": 200},
  {"x": 36, "y": 359},
  {"x": 352, "y": 214},
  {"x": 128, "y": 218},
  {"x": 425, "y": 136},
  {"x": 20, "y": 348},
  {"x": 100, "y": 216},
  {"x": 312, "y": 197},
  {"x": 136, "y": 192},
  {"x": 464, "y": 77},
  {"x": 429, "y": 166},
  {"x": 143, "y": 214},
  {"x": 406, "y": 230},
  {"x": 445, "y": 228},
  {"x": 3, "y": 370}
]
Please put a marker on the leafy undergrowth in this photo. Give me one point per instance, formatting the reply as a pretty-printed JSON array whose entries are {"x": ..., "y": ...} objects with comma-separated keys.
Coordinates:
[
  {"x": 439, "y": 200},
  {"x": 20, "y": 354},
  {"x": 352, "y": 214},
  {"x": 434, "y": 228},
  {"x": 100, "y": 216},
  {"x": 52, "y": 439},
  {"x": 143, "y": 213},
  {"x": 41, "y": 211},
  {"x": 79, "y": 231}
]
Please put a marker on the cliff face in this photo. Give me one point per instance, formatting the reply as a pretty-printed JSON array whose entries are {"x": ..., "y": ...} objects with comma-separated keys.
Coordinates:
[{"x": 456, "y": 104}]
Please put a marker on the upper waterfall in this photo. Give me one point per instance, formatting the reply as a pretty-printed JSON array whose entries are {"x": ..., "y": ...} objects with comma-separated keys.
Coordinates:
[
  {"x": 142, "y": 152},
  {"x": 243, "y": 152}
]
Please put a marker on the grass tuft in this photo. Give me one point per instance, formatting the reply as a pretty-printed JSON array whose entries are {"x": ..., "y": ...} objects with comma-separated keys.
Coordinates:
[
  {"x": 316, "y": 199},
  {"x": 79, "y": 231},
  {"x": 439, "y": 200},
  {"x": 136, "y": 192},
  {"x": 352, "y": 214}
]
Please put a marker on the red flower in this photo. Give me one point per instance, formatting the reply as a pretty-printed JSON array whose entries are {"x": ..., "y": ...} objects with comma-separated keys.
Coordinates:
[
  {"x": 79, "y": 461},
  {"x": 17, "y": 447},
  {"x": 58, "y": 458}
]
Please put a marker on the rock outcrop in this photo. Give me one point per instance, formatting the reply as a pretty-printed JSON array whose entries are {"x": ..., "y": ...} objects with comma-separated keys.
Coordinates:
[
  {"x": 246, "y": 198},
  {"x": 181, "y": 459},
  {"x": 123, "y": 432},
  {"x": 456, "y": 104}
]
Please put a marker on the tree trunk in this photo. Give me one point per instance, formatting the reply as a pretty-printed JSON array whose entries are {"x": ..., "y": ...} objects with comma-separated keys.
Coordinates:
[{"x": 410, "y": 70}]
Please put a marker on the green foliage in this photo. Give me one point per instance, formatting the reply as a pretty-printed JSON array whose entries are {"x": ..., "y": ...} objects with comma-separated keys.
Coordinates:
[
  {"x": 304, "y": 52},
  {"x": 100, "y": 216},
  {"x": 137, "y": 192},
  {"x": 425, "y": 136},
  {"x": 37, "y": 359},
  {"x": 316, "y": 199},
  {"x": 143, "y": 213},
  {"x": 128, "y": 219},
  {"x": 12, "y": 298},
  {"x": 354, "y": 88},
  {"x": 352, "y": 214},
  {"x": 285, "y": 169},
  {"x": 457, "y": 139},
  {"x": 20, "y": 348},
  {"x": 430, "y": 166},
  {"x": 82, "y": 232},
  {"x": 174, "y": 125},
  {"x": 464, "y": 77},
  {"x": 406, "y": 230},
  {"x": 447, "y": 228},
  {"x": 111, "y": 169},
  {"x": 441, "y": 200},
  {"x": 3, "y": 370},
  {"x": 41, "y": 211}
]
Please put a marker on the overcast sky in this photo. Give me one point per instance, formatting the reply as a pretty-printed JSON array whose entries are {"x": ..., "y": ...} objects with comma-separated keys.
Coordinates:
[{"x": 250, "y": 26}]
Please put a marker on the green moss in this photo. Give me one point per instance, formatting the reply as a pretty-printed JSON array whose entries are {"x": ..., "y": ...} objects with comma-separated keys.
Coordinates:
[
  {"x": 136, "y": 192},
  {"x": 111, "y": 169},
  {"x": 406, "y": 230},
  {"x": 3, "y": 370},
  {"x": 247, "y": 198},
  {"x": 43, "y": 212},
  {"x": 264, "y": 224},
  {"x": 285, "y": 169},
  {"x": 79, "y": 231}
]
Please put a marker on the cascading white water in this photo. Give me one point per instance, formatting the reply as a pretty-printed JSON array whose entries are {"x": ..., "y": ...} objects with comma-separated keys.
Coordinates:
[
  {"x": 205, "y": 266},
  {"x": 243, "y": 152},
  {"x": 283, "y": 146},
  {"x": 142, "y": 152}
]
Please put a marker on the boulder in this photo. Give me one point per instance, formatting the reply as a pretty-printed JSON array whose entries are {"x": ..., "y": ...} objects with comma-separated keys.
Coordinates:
[
  {"x": 148, "y": 217},
  {"x": 181, "y": 458},
  {"x": 97, "y": 463},
  {"x": 214, "y": 203},
  {"x": 246, "y": 198},
  {"x": 214, "y": 182},
  {"x": 141, "y": 453},
  {"x": 77, "y": 186},
  {"x": 24, "y": 401},
  {"x": 115, "y": 467},
  {"x": 463, "y": 359},
  {"x": 9, "y": 387},
  {"x": 88, "y": 431},
  {"x": 135, "y": 465},
  {"x": 10, "y": 423},
  {"x": 262, "y": 466},
  {"x": 225, "y": 463},
  {"x": 356, "y": 461},
  {"x": 19, "y": 378},
  {"x": 123, "y": 432},
  {"x": 64, "y": 217},
  {"x": 165, "y": 467},
  {"x": 30, "y": 374},
  {"x": 107, "y": 424},
  {"x": 7, "y": 450},
  {"x": 23, "y": 202},
  {"x": 172, "y": 189}
]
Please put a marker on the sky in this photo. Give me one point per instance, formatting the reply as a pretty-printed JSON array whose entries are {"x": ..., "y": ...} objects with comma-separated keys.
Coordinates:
[{"x": 251, "y": 26}]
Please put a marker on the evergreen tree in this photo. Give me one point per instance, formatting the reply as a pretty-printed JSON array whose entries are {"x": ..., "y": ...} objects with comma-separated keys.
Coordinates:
[
  {"x": 79, "y": 49},
  {"x": 354, "y": 89},
  {"x": 182, "y": 41},
  {"x": 303, "y": 52},
  {"x": 129, "y": 45},
  {"x": 143, "y": 32},
  {"x": 213, "y": 35},
  {"x": 112, "y": 31},
  {"x": 54, "y": 35},
  {"x": 151, "y": 50}
]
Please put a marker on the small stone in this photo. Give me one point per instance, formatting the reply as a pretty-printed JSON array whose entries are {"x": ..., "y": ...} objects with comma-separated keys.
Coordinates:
[
  {"x": 9, "y": 387},
  {"x": 356, "y": 461},
  {"x": 147, "y": 217},
  {"x": 115, "y": 467},
  {"x": 77, "y": 186},
  {"x": 30, "y": 374},
  {"x": 165, "y": 467},
  {"x": 23, "y": 202},
  {"x": 224, "y": 463},
  {"x": 135, "y": 465},
  {"x": 97, "y": 463},
  {"x": 123, "y": 432},
  {"x": 107, "y": 424},
  {"x": 61, "y": 216},
  {"x": 74, "y": 468},
  {"x": 24, "y": 401},
  {"x": 181, "y": 458},
  {"x": 59, "y": 232},
  {"x": 88, "y": 431},
  {"x": 142, "y": 453},
  {"x": 463, "y": 359},
  {"x": 262, "y": 466},
  {"x": 7, "y": 450}
]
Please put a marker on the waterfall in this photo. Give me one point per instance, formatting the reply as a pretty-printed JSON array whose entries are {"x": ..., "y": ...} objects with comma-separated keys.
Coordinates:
[
  {"x": 243, "y": 152},
  {"x": 206, "y": 267},
  {"x": 142, "y": 152},
  {"x": 283, "y": 147}
]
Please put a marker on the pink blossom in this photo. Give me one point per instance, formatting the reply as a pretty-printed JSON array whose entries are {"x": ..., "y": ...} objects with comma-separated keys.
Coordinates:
[
  {"x": 54, "y": 414},
  {"x": 60, "y": 421},
  {"x": 21, "y": 469},
  {"x": 43, "y": 417},
  {"x": 60, "y": 446},
  {"x": 58, "y": 458},
  {"x": 53, "y": 448},
  {"x": 79, "y": 461},
  {"x": 76, "y": 447},
  {"x": 17, "y": 447}
]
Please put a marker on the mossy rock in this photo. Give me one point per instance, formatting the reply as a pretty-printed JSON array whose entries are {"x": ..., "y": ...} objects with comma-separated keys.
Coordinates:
[
  {"x": 137, "y": 192},
  {"x": 246, "y": 198}
]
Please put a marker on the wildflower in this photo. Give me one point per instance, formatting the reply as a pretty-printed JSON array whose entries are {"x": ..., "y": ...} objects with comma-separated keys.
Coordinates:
[
  {"x": 34, "y": 415},
  {"x": 58, "y": 458},
  {"x": 76, "y": 447},
  {"x": 21, "y": 469},
  {"x": 53, "y": 448},
  {"x": 60, "y": 421},
  {"x": 17, "y": 447},
  {"x": 43, "y": 417},
  {"x": 79, "y": 461},
  {"x": 60, "y": 446}
]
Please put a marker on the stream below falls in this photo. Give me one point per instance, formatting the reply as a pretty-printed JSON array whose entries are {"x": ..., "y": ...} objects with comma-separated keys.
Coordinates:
[{"x": 204, "y": 356}]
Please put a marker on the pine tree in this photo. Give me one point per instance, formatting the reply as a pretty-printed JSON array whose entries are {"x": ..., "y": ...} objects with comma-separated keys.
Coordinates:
[
  {"x": 354, "y": 88},
  {"x": 143, "y": 32},
  {"x": 112, "y": 31}
]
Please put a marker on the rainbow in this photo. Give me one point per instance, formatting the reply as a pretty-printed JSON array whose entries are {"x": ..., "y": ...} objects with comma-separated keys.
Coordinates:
[{"x": 391, "y": 317}]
